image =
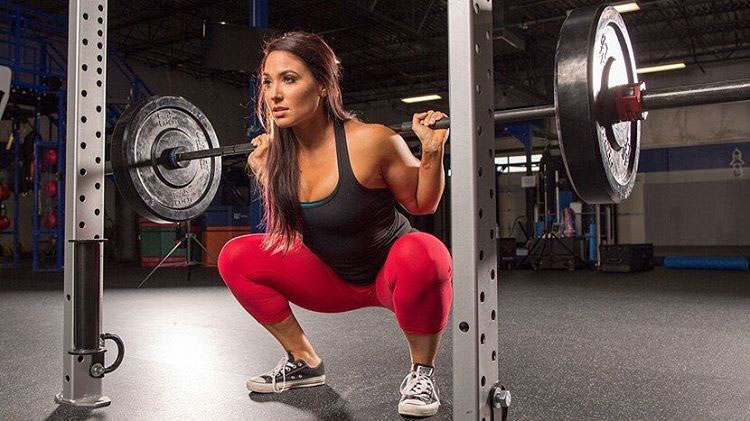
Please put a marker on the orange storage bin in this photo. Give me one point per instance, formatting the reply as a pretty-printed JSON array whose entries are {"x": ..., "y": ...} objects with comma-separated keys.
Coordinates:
[{"x": 214, "y": 239}]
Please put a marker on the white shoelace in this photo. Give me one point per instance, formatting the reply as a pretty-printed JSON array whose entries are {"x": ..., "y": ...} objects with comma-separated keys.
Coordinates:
[
  {"x": 284, "y": 366},
  {"x": 419, "y": 387}
]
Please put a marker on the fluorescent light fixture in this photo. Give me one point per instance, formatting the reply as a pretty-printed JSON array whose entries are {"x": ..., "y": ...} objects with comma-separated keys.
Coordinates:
[
  {"x": 517, "y": 159},
  {"x": 423, "y": 98},
  {"x": 661, "y": 68},
  {"x": 505, "y": 164},
  {"x": 626, "y": 7}
]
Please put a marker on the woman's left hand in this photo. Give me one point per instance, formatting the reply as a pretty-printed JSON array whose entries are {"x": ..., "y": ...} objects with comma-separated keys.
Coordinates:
[{"x": 432, "y": 140}]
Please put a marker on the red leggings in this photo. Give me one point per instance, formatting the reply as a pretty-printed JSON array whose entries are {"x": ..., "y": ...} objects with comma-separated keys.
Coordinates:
[{"x": 415, "y": 282}]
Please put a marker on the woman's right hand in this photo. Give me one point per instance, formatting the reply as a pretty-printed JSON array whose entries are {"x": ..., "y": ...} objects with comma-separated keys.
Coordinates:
[{"x": 257, "y": 158}]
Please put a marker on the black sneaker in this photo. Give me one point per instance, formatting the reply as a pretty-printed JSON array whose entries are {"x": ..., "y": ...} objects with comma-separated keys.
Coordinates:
[
  {"x": 419, "y": 395},
  {"x": 288, "y": 374}
]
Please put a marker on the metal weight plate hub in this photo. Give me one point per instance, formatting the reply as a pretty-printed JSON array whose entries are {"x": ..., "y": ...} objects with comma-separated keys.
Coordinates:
[
  {"x": 594, "y": 54},
  {"x": 143, "y": 136}
]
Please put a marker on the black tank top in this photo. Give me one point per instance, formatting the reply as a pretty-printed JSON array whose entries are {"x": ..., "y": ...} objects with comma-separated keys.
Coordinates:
[{"x": 353, "y": 229}]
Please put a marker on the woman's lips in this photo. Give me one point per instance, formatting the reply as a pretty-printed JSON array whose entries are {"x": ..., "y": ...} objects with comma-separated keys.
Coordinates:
[{"x": 280, "y": 112}]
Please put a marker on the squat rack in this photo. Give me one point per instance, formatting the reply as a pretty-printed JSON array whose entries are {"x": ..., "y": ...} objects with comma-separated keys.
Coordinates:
[{"x": 476, "y": 392}]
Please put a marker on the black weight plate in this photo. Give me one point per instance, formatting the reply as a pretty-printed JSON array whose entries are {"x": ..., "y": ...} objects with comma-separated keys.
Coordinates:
[
  {"x": 594, "y": 54},
  {"x": 157, "y": 192}
]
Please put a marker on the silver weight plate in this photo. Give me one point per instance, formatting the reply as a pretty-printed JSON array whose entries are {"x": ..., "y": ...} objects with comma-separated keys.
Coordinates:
[
  {"x": 594, "y": 54},
  {"x": 141, "y": 136}
]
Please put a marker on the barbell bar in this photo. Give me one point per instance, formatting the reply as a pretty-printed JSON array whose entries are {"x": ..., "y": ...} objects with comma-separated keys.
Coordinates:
[
  {"x": 656, "y": 99},
  {"x": 166, "y": 157}
]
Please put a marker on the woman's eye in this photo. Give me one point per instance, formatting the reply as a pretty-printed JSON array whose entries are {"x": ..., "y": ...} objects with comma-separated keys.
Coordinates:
[{"x": 289, "y": 79}]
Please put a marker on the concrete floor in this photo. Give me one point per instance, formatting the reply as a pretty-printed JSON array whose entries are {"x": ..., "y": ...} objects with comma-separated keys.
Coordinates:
[{"x": 663, "y": 344}]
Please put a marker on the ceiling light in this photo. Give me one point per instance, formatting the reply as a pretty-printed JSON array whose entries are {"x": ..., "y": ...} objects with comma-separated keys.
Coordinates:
[
  {"x": 661, "y": 68},
  {"x": 626, "y": 7},
  {"x": 420, "y": 98}
]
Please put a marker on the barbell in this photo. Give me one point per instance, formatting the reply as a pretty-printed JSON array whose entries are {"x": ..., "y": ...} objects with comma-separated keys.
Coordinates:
[{"x": 166, "y": 157}]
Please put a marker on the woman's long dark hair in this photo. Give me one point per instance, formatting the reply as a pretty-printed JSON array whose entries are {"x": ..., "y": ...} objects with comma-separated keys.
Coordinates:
[{"x": 279, "y": 180}]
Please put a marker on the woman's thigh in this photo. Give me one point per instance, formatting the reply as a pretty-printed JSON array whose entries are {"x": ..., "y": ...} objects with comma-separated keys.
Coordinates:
[{"x": 299, "y": 275}]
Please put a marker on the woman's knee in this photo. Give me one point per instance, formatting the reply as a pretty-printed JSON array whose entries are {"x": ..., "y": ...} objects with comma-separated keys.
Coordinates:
[
  {"x": 423, "y": 257},
  {"x": 236, "y": 253}
]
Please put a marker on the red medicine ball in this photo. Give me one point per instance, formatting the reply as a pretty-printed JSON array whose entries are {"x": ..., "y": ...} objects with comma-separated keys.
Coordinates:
[
  {"x": 51, "y": 156},
  {"x": 50, "y": 188},
  {"x": 50, "y": 220}
]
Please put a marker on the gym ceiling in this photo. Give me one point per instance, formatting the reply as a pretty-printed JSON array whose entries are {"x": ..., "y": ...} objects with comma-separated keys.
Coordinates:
[{"x": 395, "y": 48}]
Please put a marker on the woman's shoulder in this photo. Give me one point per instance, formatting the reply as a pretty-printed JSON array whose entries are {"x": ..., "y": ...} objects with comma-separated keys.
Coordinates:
[{"x": 369, "y": 134}]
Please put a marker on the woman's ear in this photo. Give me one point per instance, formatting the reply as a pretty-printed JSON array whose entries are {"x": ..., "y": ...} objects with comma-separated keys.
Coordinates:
[{"x": 323, "y": 92}]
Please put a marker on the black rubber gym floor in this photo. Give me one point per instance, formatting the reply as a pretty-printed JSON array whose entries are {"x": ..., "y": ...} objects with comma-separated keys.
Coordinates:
[{"x": 664, "y": 344}]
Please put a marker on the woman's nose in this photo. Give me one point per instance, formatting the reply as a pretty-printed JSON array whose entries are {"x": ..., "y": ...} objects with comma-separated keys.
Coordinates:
[{"x": 276, "y": 92}]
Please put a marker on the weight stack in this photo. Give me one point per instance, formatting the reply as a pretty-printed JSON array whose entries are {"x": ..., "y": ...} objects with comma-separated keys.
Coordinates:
[
  {"x": 214, "y": 238},
  {"x": 626, "y": 257}
]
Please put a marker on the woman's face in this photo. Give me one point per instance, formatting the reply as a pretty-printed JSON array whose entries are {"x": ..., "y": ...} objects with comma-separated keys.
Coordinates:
[{"x": 289, "y": 89}]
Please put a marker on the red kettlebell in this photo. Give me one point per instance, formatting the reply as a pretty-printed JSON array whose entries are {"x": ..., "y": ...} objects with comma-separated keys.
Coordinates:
[
  {"x": 50, "y": 188},
  {"x": 49, "y": 220},
  {"x": 50, "y": 156},
  {"x": 4, "y": 222},
  {"x": 4, "y": 192}
]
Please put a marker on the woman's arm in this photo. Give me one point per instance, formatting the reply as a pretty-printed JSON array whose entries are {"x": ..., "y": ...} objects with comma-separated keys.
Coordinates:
[{"x": 417, "y": 184}]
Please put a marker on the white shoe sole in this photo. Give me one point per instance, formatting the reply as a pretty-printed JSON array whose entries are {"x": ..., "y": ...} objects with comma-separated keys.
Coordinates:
[
  {"x": 410, "y": 409},
  {"x": 268, "y": 387}
]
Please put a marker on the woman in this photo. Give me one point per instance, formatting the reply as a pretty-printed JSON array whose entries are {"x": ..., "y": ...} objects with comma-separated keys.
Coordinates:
[{"x": 335, "y": 241}]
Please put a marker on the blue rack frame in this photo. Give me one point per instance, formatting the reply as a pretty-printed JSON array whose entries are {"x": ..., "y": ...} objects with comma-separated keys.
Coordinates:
[{"x": 26, "y": 46}]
